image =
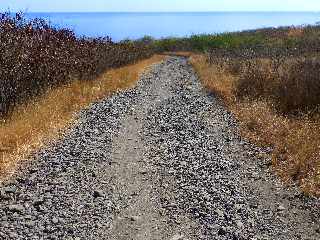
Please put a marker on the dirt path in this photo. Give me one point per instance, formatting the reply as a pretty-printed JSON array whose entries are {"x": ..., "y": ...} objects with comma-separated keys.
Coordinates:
[
  {"x": 140, "y": 215},
  {"x": 162, "y": 161}
]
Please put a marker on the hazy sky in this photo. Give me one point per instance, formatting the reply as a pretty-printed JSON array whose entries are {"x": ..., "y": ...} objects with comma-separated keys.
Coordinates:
[{"x": 158, "y": 5}]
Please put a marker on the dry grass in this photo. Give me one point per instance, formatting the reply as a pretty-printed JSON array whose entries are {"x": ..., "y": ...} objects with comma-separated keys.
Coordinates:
[
  {"x": 295, "y": 140},
  {"x": 35, "y": 124},
  {"x": 295, "y": 32},
  {"x": 293, "y": 83},
  {"x": 214, "y": 78},
  {"x": 178, "y": 54}
]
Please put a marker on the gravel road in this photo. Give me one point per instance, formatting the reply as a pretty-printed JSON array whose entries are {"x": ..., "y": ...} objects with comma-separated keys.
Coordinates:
[{"x": 163, "y": 161}]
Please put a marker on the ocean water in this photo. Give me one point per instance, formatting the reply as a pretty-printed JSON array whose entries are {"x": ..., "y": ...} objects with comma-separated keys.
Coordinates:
[{"x": 121, "y": 26}]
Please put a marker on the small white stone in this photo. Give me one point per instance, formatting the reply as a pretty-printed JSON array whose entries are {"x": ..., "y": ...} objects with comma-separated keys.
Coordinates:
[{"x": 177, "y": 237}]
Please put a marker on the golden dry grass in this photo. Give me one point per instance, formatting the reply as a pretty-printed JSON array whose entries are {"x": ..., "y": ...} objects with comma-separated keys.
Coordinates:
[
  {"x": 295, "y": 32},
  {"x": 214, "y": 78},
  {"x": 39, "y": 122},
  {"x": 178, "y": 54},
  {"x": 295, "y": 140}
]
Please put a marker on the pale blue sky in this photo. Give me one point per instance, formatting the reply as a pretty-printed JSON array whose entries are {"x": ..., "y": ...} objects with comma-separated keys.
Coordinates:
[{"x": 158, "y": 5}]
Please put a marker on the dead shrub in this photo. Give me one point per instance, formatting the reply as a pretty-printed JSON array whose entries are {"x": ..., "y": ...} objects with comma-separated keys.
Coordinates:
[
  {"x": 35, "y": 56},
  {"x": 292, "y": 83}
]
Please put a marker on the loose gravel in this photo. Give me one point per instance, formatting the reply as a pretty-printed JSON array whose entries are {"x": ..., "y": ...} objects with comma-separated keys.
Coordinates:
[{"x": 161, "y": 161}]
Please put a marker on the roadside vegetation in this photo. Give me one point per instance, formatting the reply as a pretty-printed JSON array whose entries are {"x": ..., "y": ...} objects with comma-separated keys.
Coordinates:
[
  {"x": 35, "y": 57},
  {"x": 270, "y": 80}
]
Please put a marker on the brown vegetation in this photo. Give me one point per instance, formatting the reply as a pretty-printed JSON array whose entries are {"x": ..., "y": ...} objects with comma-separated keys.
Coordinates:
[
  {"x": 178, "y": 54},
  {"x": 40, "y": 120},
  {"x": 275, "y": 103},
  {"x": 292, "y": 83},
  {"x": 35, "y": 56}
]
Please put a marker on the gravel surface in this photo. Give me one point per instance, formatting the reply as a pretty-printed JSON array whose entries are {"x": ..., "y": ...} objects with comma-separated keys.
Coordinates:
[{"x": 161, "y": 161}]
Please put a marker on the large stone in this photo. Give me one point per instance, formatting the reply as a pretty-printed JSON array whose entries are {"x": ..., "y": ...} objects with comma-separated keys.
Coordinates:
[
  {"x": 98, "y": 194},
  {"x": 16, "y": 208},
  {"x": 177, "y": 237}
]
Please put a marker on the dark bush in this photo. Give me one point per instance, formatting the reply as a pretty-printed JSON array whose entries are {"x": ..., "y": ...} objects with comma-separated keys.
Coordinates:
[
  {"x": 35, "y": 56},
  {"x": 299, "y": 87},
  {"x": 292, "y": 83}
]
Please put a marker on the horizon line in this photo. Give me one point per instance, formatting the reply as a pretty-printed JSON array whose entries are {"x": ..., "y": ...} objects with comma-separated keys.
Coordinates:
[{"x": 227, "y": 11}]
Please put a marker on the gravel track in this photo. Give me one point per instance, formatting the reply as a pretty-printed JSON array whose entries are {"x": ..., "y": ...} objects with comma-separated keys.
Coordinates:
[{"x": 161, "y": 161}]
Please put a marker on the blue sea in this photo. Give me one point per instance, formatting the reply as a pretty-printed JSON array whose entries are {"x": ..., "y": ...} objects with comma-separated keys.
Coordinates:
[{"x": 121, "y": 26}]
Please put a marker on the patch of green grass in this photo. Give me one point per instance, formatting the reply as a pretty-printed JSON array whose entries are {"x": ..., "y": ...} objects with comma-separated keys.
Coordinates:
[
  {"x": 225, "y": 41},
  {"x": 280, "y": 41},
  {"x": 205, "y": 42}
]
